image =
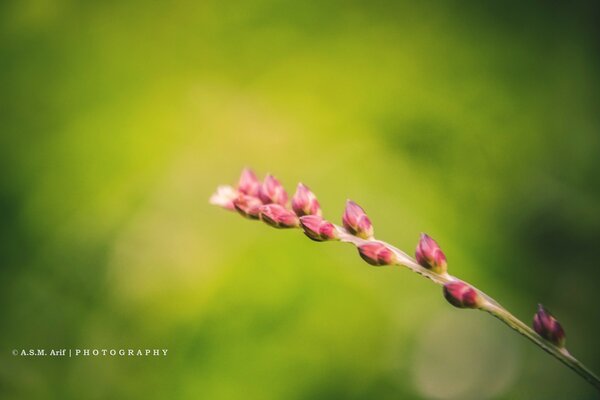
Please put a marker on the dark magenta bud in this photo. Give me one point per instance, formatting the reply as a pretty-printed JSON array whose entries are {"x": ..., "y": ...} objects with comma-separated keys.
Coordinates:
[
  {"x": 461, "y": 295},
  {"x": 355, "y": 220},
  {"x": 376, "y": 253},
  {"x": 548, "y": 327},
  {"x": 430, "y": 256},
  {"x": 318, "y": 229}
]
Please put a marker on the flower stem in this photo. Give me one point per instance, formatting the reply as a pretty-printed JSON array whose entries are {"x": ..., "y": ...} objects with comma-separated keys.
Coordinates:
[
  {"x": 489, "y": 305},
  {"x": 559, "y": 353}
]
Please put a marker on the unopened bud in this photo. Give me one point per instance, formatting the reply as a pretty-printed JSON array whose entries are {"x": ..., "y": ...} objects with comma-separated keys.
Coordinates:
[
  {"x": 461, "y": 295},
  {"x": 355, "y": 220},
  {"x": 305, "y": 202},
  {"x": 377, "y": 254},
  {"x": 272, "y": 191},
  {"x": 430, "y": 256},
  {"x": 248, "y": 206},
  {"x": 548, "y": 327},
  {"x": 318, "y": 229},
  {"x": 278, "y": 216},
  {"x": 224, "y": 197},
  {"x": 249, "y": 183}
]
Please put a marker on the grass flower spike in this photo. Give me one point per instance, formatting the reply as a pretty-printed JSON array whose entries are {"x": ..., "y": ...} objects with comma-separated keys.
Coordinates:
[{"x": 268, "y": 201}]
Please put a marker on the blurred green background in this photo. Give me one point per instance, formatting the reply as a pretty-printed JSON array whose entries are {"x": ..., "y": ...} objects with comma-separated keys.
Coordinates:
[{"x": 476, "y": 123}]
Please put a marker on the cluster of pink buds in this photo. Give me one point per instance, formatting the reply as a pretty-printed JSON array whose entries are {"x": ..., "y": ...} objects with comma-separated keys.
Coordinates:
[{"x": 268, "y": 201}]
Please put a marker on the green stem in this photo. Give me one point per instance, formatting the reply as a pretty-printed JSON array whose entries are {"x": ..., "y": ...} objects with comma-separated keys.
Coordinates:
[
  {"x": 489, "y": 305},
  {"x": 559, "y": 353}
]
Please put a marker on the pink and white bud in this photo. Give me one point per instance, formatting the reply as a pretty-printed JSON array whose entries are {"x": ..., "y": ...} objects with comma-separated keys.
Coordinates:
[
  {"x": 224, "y": 197},
  {"x": 248, "y": 206},
  {"x": 305, "y": 202},
  {"x": 377, "y": 254},
  {"x": 430, "y": 256},
  {"x": 548, "y": 327},
  {"x": 272, "y": 191},
  {"x": 318, "y": 229},
  {"x": 278, "y": 216},
  {"x": 249, "y": 183},
  {"x": 461, "y": 295},
  {"x": 355, "y": 220}
]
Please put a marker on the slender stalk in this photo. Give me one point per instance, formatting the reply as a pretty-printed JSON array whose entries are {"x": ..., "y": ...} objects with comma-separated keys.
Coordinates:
[
  {"x": 489, "y": 305},
  {"x": 559, "y": 353}
]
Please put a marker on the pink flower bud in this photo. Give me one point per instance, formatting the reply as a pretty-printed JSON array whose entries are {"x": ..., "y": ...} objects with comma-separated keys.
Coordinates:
[
  {"x": 304, "y": 202},
  {"x": 224, "y": 197},
  {"x": 461, "y": 295},
  {"x": 318, "y": 229},
  {"x": 248, "y": 206},
  {"x": 356, "y": 221},
  {"x": 249, "y": 183},
  {"x": 278, "y": 216},
  {"x": 377, "y": 254},
  {"x": 548, "y": 327},
  {"x": 271, "y": 191},
  {"x": 430, "y": 256}
]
